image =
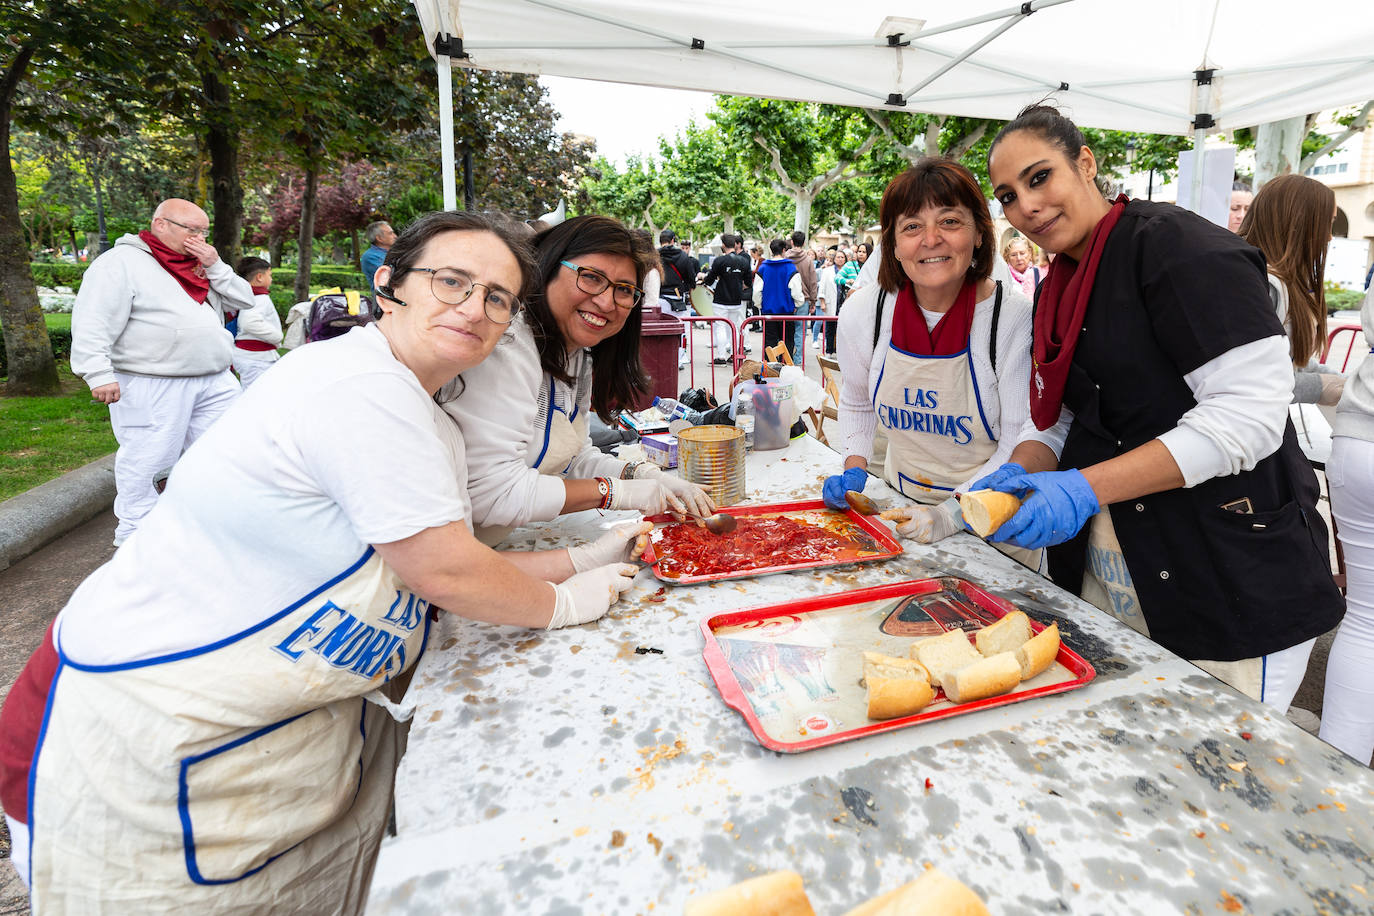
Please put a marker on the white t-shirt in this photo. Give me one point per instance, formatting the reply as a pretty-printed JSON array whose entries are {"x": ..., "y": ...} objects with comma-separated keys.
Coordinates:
[{"x": 337, "y": 448}]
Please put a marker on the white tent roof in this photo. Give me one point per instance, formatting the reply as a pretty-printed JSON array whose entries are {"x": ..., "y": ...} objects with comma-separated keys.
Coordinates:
[{"x": 1120, "y": 64}]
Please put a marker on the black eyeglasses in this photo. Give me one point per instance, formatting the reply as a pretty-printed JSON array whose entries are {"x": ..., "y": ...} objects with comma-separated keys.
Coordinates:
[
  {"x": 190, "y": 230},
  {"x": 452, "y": 286},
  {"x": 594, "y": 282}
]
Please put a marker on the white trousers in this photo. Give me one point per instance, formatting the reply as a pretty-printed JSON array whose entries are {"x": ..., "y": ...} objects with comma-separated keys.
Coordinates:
[
  {"x": 1348, "y": 703},
  {"x": 723, "y": 337},
  {"x": 19, "y": 848},
  {"x": 250, "y": 369},
  {"x": 154, "y": 421}
]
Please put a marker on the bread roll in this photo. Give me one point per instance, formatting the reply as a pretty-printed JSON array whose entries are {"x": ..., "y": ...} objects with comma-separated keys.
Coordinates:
[
  {"x": 1006, "y": 635},
  {"x": 943, "y": 655},
  {"x": 933, "y": 894},
  {"x": 896, "y": 686},
  {"x": 778, "y": 893},
  {"x": 1038, "y": 652},
  {"x": 987, "y": 510},
  {"x": 985, "y": 678}
]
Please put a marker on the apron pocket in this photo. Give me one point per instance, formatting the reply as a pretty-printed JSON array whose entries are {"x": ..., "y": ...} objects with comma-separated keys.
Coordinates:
[
  {"x": 249, "y": 800},
  {"x": 1255, "y": 556}
]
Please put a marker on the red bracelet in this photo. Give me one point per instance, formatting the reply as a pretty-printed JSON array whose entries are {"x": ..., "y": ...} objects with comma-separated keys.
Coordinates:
[{"x": 603, "y": 484}]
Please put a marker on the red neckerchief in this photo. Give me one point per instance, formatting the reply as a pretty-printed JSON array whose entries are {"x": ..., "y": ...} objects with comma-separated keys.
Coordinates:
[
  {"x": 260, "y": 291},
  {"x": 187, "y": 269},
  {"x": 950, "y": 334},
  {"x": 1064, "y": 295}
]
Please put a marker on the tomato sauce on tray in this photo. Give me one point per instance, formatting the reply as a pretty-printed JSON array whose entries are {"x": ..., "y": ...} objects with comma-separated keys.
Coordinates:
[{"x": 758, "y": 543}]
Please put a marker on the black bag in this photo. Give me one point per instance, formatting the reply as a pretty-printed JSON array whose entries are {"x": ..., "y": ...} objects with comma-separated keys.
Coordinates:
[{"x": 333, "y": 314}]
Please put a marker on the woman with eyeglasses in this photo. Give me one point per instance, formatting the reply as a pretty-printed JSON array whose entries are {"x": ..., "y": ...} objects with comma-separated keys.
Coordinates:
[
  {"x": 205, "y": 728},
  {"x": 524, "y": 413}
]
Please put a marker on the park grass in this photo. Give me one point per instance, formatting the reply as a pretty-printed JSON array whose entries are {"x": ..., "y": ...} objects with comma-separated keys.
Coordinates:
[
  {"x": 44, "y": 437},
  {"x": 60, "y": 320}
]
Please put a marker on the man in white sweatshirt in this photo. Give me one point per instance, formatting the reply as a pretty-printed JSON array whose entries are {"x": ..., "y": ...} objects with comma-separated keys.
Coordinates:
[{"x": 148, "y": 337}]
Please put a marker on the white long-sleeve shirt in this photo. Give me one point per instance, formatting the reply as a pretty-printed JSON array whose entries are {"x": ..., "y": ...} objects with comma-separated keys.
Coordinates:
[
  {"x": 501, "y": 406},
  {"x": 1242, "y": 406},
  {"x": 1005, "y": 394}
]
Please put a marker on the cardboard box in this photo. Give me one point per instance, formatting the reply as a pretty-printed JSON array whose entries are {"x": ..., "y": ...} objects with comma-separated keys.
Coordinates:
[{"x": 661, "y": 449}]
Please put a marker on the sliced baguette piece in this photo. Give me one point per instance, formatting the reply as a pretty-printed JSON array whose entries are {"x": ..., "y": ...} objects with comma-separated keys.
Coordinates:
[
  {"x": 1038, "y": 652},
  {"x": 985, "y": 678},
  {"x": 987, "y": 510},
  {"x": 933, "y": 894},
  {"x": 778, "y": 893},
  {"x": 896, "y": 686},
  {"x": 1006, "y": 635},
  {"x": 943, "y": 655}
]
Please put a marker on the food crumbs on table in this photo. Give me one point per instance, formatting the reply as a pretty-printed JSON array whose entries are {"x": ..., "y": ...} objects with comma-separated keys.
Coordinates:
[
  {"x": 1246, "y": 735},
  {"x": 617, "y": 838},
  {"x": 929, "y": 785},
  {"x": 656, "y": 843},
  {"x": 1225, "y": 826},
  {"x": 582, "y": 831},
  {"x": 1231, "y": 904},
  {"x": 1200, "y": 834},
  {"x": 1237, "y": 766},
  {"x": 1280, "y": 761},
  {"x": 652, "y": 756},
  {"x": 728, "y": 826}
]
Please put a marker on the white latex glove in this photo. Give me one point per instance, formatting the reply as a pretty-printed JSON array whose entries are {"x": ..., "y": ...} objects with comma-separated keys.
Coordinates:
[
  {"x": 621, "y": 544},
  {"x": 649, "y": 496},
  {"x": 588, "y": 595},
  {"x": 696, "y": 497},
  {"x": 1332, "y": 386},
  {"x": 928, "y": 524}
]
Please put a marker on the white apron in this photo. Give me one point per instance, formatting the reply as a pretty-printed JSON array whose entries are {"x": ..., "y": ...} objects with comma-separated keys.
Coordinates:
[
  {"x": 565, "y": 433},
  {"x": 247, "y": 776},
  {"x": 937, "y": 434}
]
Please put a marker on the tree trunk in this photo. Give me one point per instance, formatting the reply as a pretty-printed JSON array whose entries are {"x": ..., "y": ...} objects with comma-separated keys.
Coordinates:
[
  {"x": 357, "y": 252},
  {"x": 32, "y": 368},
  {"x": 305, "y": 242},
  {"x": 275, "y": 241},
  {"x": 222, "y": 142},
  {"x": 1278, "y": 148},
  {"x": 729, "y": 224},
  {"x": 802, "y": 221}
]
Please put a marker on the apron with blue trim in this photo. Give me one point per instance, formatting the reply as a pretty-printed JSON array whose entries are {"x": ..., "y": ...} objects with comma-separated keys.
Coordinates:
[
  {"x": 247, "y": 775},
  {"x": 566, "y": 431},
  {"x": 937, "y": 434}
]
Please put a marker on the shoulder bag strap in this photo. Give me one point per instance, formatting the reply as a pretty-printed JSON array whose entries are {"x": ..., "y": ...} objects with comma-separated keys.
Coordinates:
[{"x": 878, "y": 317}]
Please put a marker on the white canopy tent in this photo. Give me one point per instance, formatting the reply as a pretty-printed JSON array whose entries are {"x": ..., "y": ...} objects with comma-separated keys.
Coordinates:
[{"x": 1169, "y": 66}]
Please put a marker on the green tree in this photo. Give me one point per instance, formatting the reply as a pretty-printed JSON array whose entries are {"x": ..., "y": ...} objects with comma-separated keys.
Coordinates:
[
  {"x": 701, "y": 174},
  {"x": 799, "y": 148},
  {"x": 629, "y": 195}
]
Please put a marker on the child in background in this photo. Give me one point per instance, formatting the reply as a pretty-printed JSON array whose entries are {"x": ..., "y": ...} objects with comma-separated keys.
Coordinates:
[{"x": 259, "y": 328}]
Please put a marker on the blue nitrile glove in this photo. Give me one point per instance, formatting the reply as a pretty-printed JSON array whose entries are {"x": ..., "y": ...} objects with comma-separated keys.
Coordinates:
[
  {"x": 1061, "y": 502},
  {"x": 994, "y": 480},
  {"x": 836, "y": 486}
]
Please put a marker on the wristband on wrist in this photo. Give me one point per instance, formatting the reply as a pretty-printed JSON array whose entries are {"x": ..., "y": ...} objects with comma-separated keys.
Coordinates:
[
  {"x": 628, "y": 472},
  {"x": 603, "y": 485}
]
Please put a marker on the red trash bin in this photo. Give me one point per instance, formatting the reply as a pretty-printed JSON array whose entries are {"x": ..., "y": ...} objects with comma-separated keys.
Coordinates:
[{"x": 660, "y": 339}]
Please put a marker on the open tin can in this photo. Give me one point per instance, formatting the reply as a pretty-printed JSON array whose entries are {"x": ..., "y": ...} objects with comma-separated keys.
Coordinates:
[{"x": 713, "y": 456}]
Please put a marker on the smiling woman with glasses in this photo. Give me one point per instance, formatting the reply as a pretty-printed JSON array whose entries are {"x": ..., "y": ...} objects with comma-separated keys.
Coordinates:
[{"x": 525, "y": 411}]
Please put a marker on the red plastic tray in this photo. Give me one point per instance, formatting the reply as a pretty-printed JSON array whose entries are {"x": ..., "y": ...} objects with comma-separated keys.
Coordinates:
[
  {"x": 888, "y": 546},
  {"x": 793, "y": 670}
]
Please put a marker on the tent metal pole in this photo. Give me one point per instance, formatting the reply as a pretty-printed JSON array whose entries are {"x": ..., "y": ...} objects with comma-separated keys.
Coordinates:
[
  {"x": 444, "y": 68},
  {"x": 967, "y": 53},
  {"x": 1036, "y": 6}
]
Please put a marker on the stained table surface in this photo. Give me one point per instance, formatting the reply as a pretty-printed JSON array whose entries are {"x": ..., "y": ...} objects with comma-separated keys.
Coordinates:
[{"x": 577, "y": 772}]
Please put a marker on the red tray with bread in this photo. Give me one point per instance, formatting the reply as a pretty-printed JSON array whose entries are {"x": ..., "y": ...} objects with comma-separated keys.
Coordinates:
[
  {"x": 841, "y": 666},
  {"x": 769, "y": 538}
]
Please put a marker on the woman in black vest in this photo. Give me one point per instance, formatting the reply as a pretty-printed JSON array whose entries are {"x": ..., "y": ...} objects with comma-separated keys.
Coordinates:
[{"x": 1162, "y": 369}]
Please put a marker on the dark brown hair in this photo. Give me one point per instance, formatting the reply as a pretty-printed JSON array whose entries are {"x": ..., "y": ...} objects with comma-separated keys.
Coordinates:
[
  {"x": 618, "y": 377},
  {"x": 404, "y": 252},
  {"x": 1290, "y": 221},
  {"x": 933, "y": 182}
]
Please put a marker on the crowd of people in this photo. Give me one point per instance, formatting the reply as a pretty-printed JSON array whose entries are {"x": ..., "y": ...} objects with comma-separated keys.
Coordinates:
[{"x": 325, "y": 507}]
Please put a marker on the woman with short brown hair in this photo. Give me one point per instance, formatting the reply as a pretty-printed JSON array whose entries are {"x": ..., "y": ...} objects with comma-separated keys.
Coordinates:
[{"x": 936, "y": 351}]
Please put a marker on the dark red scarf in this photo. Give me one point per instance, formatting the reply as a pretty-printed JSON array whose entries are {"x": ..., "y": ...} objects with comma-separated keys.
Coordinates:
[
  {"x": 1064, "y": 295},
  {"x": 260, "y": 291},
  {"x": 950, "y": 334},
  {"x": 187, "y": 269}
]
